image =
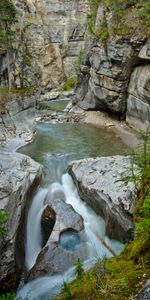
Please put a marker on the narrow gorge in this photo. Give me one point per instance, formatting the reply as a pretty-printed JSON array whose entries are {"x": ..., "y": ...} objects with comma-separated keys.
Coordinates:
[{"x": 74, "y": 201}]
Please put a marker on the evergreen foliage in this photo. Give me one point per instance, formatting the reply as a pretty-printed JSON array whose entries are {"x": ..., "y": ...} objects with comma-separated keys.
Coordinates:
[
  {"x": 8, "y": 15},
  {"x": 8, "y": 296},
  {"x": 119, "y": 11}
]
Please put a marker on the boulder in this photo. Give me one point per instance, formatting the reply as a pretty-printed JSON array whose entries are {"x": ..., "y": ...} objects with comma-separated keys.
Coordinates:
[
  {"x": 100, "y": 183},
  {"x": 20, "y": 176},
  {"x": 54, "y": 258}
]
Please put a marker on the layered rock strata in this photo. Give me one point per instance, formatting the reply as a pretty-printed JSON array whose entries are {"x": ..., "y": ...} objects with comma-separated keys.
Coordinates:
[
  {"x": 49, "y": 37},
  {"x": 115, "y": 73}
]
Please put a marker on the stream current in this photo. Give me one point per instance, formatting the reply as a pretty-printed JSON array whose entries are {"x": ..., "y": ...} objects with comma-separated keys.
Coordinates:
[{"x": 54, "y": 146}]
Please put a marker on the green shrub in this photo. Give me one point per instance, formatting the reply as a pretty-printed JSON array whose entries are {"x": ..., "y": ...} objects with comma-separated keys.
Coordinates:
[
  {"x": 8, "y": 296},
  {"x": 3, "y": 218},
  {"x": 70, "y": 83}
]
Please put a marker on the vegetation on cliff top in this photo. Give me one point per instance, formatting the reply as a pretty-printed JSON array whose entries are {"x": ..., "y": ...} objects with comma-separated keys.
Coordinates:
[
  {"x": 122, "y": 277},
  {"x": 119, "y": 18}
]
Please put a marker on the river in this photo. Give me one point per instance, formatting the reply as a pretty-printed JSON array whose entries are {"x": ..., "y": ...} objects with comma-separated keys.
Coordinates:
[{"x": 54, "y": 146}]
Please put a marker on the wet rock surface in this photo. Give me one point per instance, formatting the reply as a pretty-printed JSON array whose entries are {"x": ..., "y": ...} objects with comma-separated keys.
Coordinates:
[
  {"x": 64, "y": 117},
  {"x": 20, "y": 176},
  {"x": 99, "y": 183},
  {"x": 145, "y": 293},
  {"x": 48, "y": 220},
  {"x": 54, "y": 258}
]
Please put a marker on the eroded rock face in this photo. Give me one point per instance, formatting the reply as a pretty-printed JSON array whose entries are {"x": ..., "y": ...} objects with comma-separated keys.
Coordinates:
[
  {"x": 109, "y": 77},
  {"x": 17, "y": 124},
  {"x": 53, "y": 258},
  {"x": 107, "y": 80},
  {"x": 20, "y": 176},
  {"x": 138, "y": 101},
  {"x": 99, "y": 183},
  {"x": 52, "y": 32}
]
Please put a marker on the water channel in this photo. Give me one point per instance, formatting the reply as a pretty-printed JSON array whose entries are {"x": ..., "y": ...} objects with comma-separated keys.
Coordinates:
[{"x": 54, "y": 146}]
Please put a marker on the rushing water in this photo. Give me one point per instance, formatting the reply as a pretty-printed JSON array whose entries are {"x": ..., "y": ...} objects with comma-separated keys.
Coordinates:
[
  {"x": 53, "y": 147},
  {"x": 57, "y": 144}
]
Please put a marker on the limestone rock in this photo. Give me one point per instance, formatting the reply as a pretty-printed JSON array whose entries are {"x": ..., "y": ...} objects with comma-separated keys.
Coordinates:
[
  {"x": 18, "y": 122},
  {"x": 138, "y": 102},
  {"x": 53, "y": 33},
  {"x": 99, "y": 183},
  {"x": 20, "y": 176},
  {"x": 145, "y": 51}
]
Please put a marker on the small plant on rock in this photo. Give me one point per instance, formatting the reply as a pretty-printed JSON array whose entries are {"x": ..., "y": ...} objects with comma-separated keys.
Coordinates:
[{"x": 79, "y": 268}]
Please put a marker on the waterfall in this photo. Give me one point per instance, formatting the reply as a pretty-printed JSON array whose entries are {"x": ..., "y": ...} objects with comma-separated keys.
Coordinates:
[
  {"x": 45, "y": 288},
  {"x": 94, "y": 224},
  {"x": 34, "y": 237}
]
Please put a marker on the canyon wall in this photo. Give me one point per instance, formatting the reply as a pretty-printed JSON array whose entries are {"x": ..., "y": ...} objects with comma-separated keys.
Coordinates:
[
  {"x": 115, "y": 71},
  {"x": 49, "y": 36},
  {"x": 51, "y": 39}
]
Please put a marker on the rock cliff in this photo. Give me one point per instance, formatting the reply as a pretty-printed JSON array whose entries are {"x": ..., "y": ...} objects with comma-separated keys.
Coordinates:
[
  {"x": 48, "y": 38},
  {"x": 115, "y": 71},
  {"x": 51, "y": 38}
]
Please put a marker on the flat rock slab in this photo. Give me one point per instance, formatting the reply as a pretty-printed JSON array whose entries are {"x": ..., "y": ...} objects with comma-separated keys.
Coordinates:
[{"x": 100, "y": 183}]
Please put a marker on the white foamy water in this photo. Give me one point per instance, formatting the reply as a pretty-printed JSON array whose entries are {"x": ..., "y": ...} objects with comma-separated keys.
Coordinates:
[
  {"x": 45, "y": 288},
  {"x": 34, "y": 236}
]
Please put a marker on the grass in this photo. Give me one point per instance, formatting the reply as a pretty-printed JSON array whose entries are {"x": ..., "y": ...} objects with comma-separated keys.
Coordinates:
[{"x": 70, "y": 83}]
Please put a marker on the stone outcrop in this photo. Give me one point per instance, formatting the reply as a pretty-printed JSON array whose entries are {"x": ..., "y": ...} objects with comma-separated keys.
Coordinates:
[
  {"x": 20, "y": 176},
  {"x": 17, "y": 124},
  {"x": 53, "y": 258},
  {"x": 109, "y": 78},
  {"x": 99, "y": 182},
  {"x": 138, "y": 101}
]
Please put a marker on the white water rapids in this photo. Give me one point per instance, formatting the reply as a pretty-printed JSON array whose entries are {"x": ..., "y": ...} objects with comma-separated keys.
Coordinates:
[{"x": 46, "y": 287}]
